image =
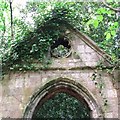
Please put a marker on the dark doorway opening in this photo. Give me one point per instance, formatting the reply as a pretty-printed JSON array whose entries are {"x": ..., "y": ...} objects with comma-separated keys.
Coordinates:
[{"x": 63, "y": 106}]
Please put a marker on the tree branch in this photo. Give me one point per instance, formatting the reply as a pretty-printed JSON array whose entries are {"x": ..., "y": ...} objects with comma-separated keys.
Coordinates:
[
  {"x": 114, "y": 9},
  {"x": 4, "y": 28},
  {"x": 11, "y": 19}
]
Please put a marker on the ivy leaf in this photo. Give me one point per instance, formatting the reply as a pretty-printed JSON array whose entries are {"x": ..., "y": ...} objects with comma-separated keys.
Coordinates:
[
  {"x": 113, "y": 33},
  {"x": 116, "y": 24},
  {"x": 100, "y": 17},
  {"x": 89, "y": 22},
  {"x": 95, "y": 23},
  {"x": 109, "y": 0},
  {"x": 1, "y": 27},
  {"x": 108, "y": 36},
  {"x": 101, "y": 10}
]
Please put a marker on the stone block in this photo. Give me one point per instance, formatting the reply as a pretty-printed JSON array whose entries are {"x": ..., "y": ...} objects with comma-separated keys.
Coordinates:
[
  {"x": 0, "y": 93},
  {"x": 88, "y": 49},
  {"x": 19, "y": 82},
  {"x": 111, "y": 93},
  {"x": 81, "y": 49},
  {"x": 90, "y": 63},
  {"x": 109, "y": 115}
]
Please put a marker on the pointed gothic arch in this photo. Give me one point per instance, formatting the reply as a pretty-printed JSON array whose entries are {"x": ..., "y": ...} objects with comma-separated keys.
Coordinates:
[{"x": 67, "y": 86}]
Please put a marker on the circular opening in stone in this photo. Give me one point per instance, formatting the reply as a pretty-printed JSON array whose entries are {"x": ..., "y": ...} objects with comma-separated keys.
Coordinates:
[{"x": 61, "y": 48}]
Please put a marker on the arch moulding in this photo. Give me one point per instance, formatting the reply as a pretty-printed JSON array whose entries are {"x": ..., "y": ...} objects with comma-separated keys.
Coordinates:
[{"x": 63, "y": 85}]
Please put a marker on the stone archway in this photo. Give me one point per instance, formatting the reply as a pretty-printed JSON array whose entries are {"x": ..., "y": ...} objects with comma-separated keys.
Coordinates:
[{"x": 67, "y": 86}]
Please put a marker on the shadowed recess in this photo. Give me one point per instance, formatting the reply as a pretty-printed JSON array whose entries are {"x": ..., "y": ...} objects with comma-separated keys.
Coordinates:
[{"x": 62, "y": 105}]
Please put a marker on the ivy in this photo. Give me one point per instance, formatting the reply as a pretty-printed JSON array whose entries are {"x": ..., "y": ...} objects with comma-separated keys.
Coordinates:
[
  {"x": 62, "y": 106},
  {"x": 33, "y": 39}
]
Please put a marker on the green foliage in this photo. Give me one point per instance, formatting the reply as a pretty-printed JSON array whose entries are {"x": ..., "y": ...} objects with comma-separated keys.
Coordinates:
[
  {"x": 99, "y": 83},
  {"x": 34, "y": 37},
  {"x": 3, "y": 11},
  {"x": 60, "y": 51},
  {"x": 4, "y": 27},
  {"x": 62, "y": 106}
]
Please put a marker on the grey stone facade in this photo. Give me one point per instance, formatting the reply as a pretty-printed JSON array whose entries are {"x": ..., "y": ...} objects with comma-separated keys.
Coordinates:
[{"x": 18, "y": 89}]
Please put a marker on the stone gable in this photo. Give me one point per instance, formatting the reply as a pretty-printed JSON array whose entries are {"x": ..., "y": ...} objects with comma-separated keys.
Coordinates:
[
  {"x": 84, "y": 53},
  {"x": 21, "y": 92}
]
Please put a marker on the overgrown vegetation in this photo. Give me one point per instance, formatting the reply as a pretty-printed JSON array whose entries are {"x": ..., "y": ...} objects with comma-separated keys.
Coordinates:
[
  {"x": 32, "y": 38},
  {"x": 24, "y": 41},
  {"x": 62, "y": 106}
]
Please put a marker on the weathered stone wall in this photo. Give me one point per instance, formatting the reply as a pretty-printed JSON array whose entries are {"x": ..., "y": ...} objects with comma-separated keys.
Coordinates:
[
  {"x": 16, "y": 89},
  {"x": 19, "y": 87},
  {"x": 117, "y": 87}
]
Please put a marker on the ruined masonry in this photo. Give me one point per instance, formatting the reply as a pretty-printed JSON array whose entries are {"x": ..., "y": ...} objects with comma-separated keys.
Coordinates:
[{"x": 75, "y": 71}]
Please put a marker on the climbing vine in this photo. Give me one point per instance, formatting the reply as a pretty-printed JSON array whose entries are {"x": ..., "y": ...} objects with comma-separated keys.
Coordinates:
[
  {"x": 32, "y": 40},
  {"x": 34, "y": 47},
  {"x": 99, "y": 83}
]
